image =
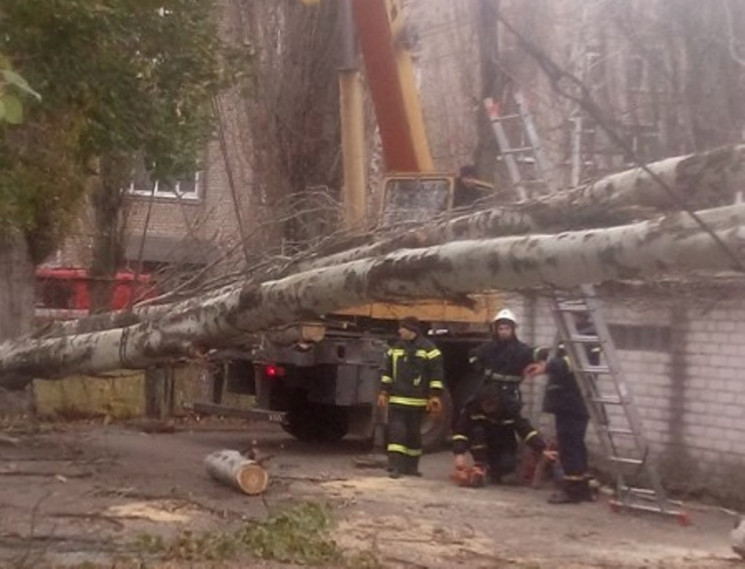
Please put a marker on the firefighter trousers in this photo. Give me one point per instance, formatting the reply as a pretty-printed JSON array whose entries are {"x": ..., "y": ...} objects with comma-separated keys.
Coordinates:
[
  {"x": 405, "y": 437},
  {"x": 570, "y": 435}
]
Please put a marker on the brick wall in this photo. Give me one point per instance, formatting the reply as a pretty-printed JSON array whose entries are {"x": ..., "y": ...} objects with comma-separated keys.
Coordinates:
[{"x": 682, "y": 356}]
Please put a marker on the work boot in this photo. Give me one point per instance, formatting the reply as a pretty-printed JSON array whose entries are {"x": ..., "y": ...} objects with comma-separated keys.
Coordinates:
[
  {"x": 572, "y": 492},
  {"x": 412, "y": 466},
  {"x": 395, "y": 465},
  {"x": 562, "y": 497},
  {"x": 392, "y": 464}
]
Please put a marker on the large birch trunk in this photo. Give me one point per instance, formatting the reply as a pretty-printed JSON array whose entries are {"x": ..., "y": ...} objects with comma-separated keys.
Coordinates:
[
  {"x": 699, "y": 180},
  {"x": 696, "y": 181},
  {"x": 670, "y": 244}
]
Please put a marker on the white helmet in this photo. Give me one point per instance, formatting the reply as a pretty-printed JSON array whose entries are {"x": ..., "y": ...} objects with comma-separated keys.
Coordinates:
[{"x": 505, "y": 314}]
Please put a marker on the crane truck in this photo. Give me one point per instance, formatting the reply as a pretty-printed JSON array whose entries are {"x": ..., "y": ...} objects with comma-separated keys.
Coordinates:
[{"x": 320, "y": 379}]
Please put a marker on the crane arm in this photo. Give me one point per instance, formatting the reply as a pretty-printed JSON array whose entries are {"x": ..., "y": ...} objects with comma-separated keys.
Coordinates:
[{"x": 390, "y": 77}]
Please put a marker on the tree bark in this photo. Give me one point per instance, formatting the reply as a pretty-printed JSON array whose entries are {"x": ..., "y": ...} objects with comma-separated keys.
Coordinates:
[
  {"x": 107, "y": 200},
  {"x": 233, "y": 469},
  {"x": 674, "y": 243},
  {"x": 16, "y": 287},
  {"x": 707, "y": 179},
  {"x": 702, "y": 180}
]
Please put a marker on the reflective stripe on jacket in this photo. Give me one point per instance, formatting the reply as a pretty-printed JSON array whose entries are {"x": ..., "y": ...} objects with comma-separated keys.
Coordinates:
[{"x": 413, "y": 372}]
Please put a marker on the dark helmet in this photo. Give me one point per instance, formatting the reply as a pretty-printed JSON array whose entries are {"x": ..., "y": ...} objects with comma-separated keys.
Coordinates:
[
  {"x": 468, "y": 171},
  {"x": 410, "y": 323}
]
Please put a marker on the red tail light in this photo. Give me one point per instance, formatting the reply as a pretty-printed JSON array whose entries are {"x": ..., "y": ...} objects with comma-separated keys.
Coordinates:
[{"x": 274, "y": 371}]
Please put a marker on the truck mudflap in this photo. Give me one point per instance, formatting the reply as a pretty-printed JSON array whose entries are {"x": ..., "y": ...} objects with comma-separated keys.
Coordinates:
[{"x": 278, "y": 417}]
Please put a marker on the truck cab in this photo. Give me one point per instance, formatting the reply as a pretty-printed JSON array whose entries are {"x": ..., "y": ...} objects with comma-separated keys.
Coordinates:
[{"x": 320, "y": 379}]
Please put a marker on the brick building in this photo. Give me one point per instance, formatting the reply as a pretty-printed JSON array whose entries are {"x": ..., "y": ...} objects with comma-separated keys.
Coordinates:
[{"x": 681, "y": 348}]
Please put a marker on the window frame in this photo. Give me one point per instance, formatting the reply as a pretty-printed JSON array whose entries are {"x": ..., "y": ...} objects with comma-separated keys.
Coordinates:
[{"x": 174, "y": 194}]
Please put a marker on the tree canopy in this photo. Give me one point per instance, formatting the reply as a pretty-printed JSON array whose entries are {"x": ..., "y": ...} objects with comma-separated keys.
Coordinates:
[{"x": 116, "y": 78}]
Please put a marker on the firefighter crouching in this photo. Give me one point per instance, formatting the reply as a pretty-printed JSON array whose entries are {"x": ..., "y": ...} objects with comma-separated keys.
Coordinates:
[
  {"x": 410, "y": 386},
  {"x": 487, "y": 428},
  {"x": 564, "y": 400},
  {"x": 503, "y": 360}
]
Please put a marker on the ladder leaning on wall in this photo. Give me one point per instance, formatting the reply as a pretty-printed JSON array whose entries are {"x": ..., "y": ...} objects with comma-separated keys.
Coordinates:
[{"x": 585, "y": 335}]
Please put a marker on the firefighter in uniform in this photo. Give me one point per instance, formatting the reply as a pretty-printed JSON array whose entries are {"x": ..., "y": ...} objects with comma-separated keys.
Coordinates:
[
  {"x": 410, "y": 386},
  {"x": 503, "y": 360},
  {"x": 488, "y": 430},
  {"x": 564, "y": 400}
]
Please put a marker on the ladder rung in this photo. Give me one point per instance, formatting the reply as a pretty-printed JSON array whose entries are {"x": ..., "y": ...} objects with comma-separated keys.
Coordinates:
[
  {"x": 573, "y": 306},
  {"x": 626, "y": 460},
  {"x": 617, "y": 430},
  {"x": 636, "y": 490},
  {"x": 648, "y": 508},
  {"x": 595, "y": 369},
  {"x": 608, "y": 400},
  {"x": 585, "y": 338},
  {"x": 647, "y": 494},
  {"x": 502, "y": 118},
  {"x": 516, "y": 150}
]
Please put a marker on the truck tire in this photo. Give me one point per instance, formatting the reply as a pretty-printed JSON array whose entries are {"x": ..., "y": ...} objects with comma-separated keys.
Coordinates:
[
  {"x": 435, "y": 431},
  {"x": 315, "y": 422}
]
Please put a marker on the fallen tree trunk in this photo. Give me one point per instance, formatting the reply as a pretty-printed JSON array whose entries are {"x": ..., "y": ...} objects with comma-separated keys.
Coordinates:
[
  {"x": 699, "y": 180},
  {"x": 233, "y": 469},
  {"x": 450, "y": 271}
]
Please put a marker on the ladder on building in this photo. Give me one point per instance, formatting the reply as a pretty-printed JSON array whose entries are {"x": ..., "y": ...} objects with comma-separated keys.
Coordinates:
[
  {"x": 587, "y": 340},
  {"x": 581, "y": 328},
  {"x": 529, "y": 151}
]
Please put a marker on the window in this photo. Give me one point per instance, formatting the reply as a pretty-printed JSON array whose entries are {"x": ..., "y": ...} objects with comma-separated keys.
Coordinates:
[
  {"x": 646, "y": 72},
  {"x": 644, "y": 141},
  {"x": 414, "y": 199},
  {"x": 641, "y": 338},
  {"x": 143, "y": 185}
]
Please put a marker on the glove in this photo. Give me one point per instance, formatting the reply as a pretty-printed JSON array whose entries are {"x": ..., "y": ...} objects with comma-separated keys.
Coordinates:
[
  {"x": 382, "y": 399},
  {"x": 434, "y": 406}
]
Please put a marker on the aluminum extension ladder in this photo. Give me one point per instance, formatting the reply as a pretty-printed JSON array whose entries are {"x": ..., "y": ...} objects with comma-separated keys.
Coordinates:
[
  {"x": 601, "y": 381},
  {"x": 529, "y": 151},
  {"x": 581, "y": 327}
]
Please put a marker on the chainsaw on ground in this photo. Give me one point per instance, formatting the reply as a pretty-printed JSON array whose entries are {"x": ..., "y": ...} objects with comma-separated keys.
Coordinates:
[{"x": 469, "y": 476}]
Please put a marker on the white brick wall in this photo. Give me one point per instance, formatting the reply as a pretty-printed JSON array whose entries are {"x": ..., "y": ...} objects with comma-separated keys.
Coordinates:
[{"x": 690, "y": 397}]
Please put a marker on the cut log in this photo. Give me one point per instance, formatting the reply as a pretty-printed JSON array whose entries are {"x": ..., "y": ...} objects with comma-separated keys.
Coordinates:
[{"x": 233, "y": 469}]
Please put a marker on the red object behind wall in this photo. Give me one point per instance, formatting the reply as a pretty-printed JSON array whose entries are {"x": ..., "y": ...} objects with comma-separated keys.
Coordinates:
[{"x": 65, "y": 292}]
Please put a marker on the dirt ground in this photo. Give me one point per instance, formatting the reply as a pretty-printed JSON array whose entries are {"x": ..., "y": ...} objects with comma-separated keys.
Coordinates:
[{"x": 91, "y": 495}]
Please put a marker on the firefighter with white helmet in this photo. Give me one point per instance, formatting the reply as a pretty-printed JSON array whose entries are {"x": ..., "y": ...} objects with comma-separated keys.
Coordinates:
[
  {"x": 501, "y": 363},
  {"x": 505, "y": 314}
]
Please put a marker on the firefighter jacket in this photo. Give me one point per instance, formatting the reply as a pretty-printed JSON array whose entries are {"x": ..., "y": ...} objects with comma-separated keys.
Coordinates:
[
  {"x": 412, "y": 372},
  {"x": 502, "y": 360},
  {"x": 563, "y": 395},
  {"x": 473, "y": 419}
]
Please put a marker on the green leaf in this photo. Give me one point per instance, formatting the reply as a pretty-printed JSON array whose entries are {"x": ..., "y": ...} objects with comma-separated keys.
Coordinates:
[
  {"x": 12, "y": 78},
  {"x": 13, "y": 109},
  {"x": 2, "y": 110}
]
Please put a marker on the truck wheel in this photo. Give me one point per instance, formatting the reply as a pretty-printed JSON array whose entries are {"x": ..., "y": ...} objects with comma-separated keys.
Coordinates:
[
  {"x": 316, "y": 423},
  {"x": 436, "y": 431}
]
